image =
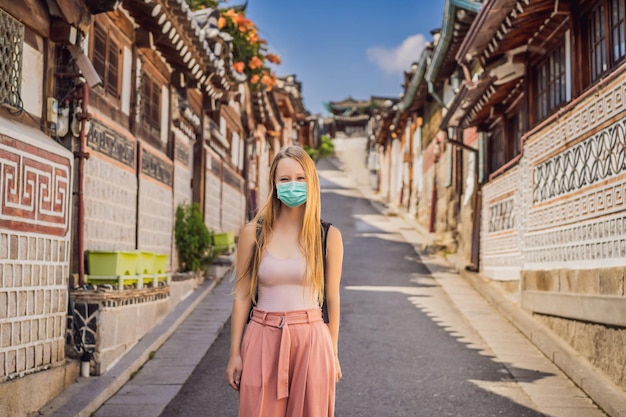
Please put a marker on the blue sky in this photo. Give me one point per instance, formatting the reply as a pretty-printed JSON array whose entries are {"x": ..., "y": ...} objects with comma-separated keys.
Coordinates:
[{"x": 338, "y": 48}]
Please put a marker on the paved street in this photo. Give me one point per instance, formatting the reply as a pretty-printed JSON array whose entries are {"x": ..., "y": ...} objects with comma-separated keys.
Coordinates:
[{"x": 415, "y": 339}]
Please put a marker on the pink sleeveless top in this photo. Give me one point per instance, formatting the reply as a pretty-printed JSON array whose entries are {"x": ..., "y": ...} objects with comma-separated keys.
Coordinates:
[{"x": 281, "y": 285}]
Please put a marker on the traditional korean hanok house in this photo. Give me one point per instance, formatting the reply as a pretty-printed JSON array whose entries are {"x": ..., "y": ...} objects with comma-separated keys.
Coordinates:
[
  {"x": 265, "y": 127},
  {"x": 160, "y": 79},
  {"x": 545, "y": 89},
  {"x": 448, "y": 192},
  {"x": 417, "y": 127},
  {"x": 349, "y": 117},
  {"x": 310, "y": 131},
  {"x": 288, "y": 97},
  {"x": 36, "y": 185},
  {"x": 219, "y": 185},
  {"x": 378, "y": 148}
]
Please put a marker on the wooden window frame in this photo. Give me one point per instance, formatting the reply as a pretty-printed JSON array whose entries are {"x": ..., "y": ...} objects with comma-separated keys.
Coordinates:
[
  {"x": 151, "y": 102},
  {"x": 550, "y": 83},
  {"x": 111, "y": 75},
  {"x": 504, "y": 143},
  {"x": 150, "y": 116},
  {"x": 603, "y": 38}
]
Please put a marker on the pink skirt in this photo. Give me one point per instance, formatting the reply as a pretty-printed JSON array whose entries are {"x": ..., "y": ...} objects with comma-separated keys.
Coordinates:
[{"x": 288, "y": 366}]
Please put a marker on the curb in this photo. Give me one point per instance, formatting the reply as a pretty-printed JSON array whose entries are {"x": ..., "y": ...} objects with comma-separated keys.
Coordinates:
[
  {"x": 87, "y": 395},
  {"x": 609, "y": 397}
]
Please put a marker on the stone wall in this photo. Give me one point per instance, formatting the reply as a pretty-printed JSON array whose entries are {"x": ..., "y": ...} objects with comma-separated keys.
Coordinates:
[
  {"x": 183, "y": 169},
  {"x": 233, "y": 202},
  {"x": 586, "y": 309},
  {"x": 110, "y": 191},
  {"x": 213, "y": 192},
  {"x": 156, "y": 211}
]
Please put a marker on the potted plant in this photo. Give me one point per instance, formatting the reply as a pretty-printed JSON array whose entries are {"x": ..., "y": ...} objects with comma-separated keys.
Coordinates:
[
  {"x": 193, "y": 239},
  {"x": 324, "y": 150}
]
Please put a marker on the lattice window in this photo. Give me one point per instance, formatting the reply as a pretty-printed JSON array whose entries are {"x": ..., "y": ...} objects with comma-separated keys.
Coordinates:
[
  {"x": 151, "y": 102},
  {"x": 106, "y": 60},
  {"x": 11, "y": 47},
  {"x": 605, "y": 36},
  {"x": 550, "y": 83},
  {"x": 618, "y": 28},
  {"x": 597, "y": 42}
]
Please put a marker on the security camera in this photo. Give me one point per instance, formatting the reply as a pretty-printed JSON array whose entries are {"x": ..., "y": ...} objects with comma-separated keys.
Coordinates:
[{"x": 85, "y": 66}]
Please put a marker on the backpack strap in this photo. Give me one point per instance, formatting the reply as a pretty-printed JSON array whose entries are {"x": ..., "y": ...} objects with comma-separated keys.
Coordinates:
[{"x": 325, "y": 227}]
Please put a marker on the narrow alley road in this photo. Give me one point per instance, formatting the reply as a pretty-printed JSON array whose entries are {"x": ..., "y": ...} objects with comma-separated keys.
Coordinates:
[{"x": 406, "y": 348}]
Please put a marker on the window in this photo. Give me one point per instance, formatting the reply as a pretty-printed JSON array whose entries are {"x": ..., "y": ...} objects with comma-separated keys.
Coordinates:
[
  {"x": 12, "y": 41},
  {"x": 504, "y": 141},
  {"x": 106, "y": 60},
  {"x": 605, "y": 36},
  {"x": 550, "y": 83},
  {"x": 151, "y": 102},
  {"x": 497, "y": 149}
]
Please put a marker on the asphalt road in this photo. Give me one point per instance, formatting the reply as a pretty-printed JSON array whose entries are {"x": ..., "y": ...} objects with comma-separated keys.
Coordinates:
[{"x": 405, "y": 349}]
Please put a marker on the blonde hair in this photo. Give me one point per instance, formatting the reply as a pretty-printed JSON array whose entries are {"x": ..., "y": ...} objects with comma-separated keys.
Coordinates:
[{"x": 310, "y": 235}]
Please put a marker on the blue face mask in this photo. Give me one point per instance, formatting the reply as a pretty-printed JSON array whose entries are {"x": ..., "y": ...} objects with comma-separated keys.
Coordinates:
[{"x": 292, "y": 193}]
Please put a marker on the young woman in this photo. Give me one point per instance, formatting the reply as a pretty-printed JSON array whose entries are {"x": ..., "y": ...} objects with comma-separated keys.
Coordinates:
[{"x": 286, "y": 365}]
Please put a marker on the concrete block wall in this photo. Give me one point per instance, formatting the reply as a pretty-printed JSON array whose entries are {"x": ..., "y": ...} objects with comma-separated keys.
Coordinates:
[
  {"x": 233, "y": 209},
  {"x": 121, "y": 327},
  {"x": 213, "y": 191},
  {"x": 110, "y": 204},
  {"x": 156, "y": 217}
]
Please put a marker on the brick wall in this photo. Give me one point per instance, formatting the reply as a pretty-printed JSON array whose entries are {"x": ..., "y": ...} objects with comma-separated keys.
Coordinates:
[{"x": 35, "y": 212}]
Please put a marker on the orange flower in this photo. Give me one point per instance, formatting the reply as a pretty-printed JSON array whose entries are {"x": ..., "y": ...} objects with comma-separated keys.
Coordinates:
[
  {"x": 273, "y": 58},
  {"x": 231, "y": 14},
  {"x": 253, "y": 37},
  {"x": 266, "y": 79},
  {"x": 255, "y": 63},
  {"x": 254, "y": 79},
  {"x": 221, "y": 22},
  {"x": 239, "y": 66}
]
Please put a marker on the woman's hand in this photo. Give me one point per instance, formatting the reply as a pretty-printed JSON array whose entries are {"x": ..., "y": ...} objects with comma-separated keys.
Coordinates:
[
  {"x": 338, "y": 369},
  {"x": 233, "y": 372}
]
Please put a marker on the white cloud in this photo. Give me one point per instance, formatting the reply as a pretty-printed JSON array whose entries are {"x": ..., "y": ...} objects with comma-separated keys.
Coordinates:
[{"x": 398, "y": 59}]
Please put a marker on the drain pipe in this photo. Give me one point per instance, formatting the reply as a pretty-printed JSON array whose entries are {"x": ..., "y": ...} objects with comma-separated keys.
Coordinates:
[{"x": 84, "y": 116}]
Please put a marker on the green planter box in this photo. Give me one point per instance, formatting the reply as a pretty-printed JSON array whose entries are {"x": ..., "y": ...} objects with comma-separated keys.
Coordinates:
[
  {"x": 112, "y": 263},
  {"x": 145, "y": 263},
  {"x": 223, "y": 242},
  {"x": 112, "y": 267},
  {"x": 160, "y": 266}
]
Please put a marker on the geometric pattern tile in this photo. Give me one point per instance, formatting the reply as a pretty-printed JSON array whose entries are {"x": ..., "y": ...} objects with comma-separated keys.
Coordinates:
[{"x": 595, "y": 159}]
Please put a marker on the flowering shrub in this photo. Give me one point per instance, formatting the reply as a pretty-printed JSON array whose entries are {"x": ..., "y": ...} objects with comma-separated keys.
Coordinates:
[{"x": 250, "y": 54}]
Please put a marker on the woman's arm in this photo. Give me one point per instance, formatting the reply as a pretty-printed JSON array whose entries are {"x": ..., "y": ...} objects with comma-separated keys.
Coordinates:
[
  {"x": 334, "y": 264},
  {"x": 241, "y": 303}
]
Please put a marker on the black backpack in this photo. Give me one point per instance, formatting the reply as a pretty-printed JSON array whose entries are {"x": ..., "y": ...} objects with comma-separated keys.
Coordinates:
[{"x": 324, "y": 231}]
